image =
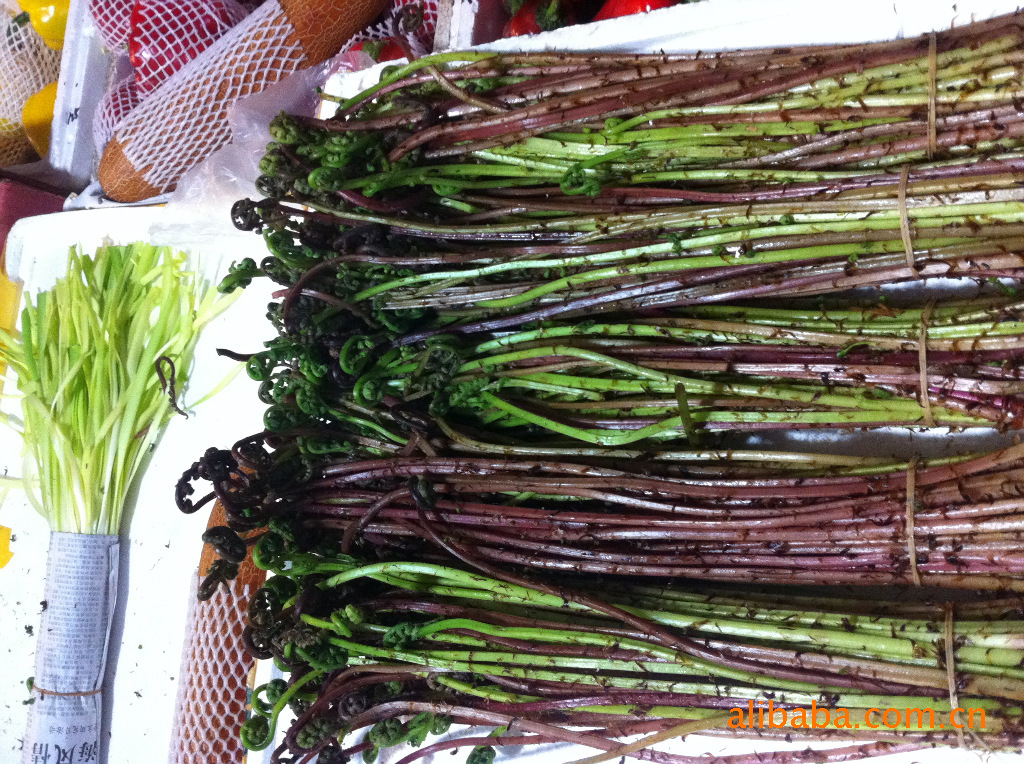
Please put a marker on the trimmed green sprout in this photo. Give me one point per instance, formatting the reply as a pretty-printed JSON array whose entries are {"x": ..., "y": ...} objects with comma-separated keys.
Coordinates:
[{"x": 99, "y": 361}]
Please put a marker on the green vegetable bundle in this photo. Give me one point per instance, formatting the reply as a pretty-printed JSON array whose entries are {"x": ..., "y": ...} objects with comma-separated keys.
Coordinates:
[
  {"x": 519, "y": 291},
  {"x": 100, "y": 360},
  {"x": 483, "y": 191},
  {"x": 405, "y": 648},
  {"x": 727, "y": 515}
]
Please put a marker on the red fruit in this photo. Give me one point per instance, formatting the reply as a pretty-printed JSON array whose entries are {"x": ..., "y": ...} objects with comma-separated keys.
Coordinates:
[
  {"x": 536, "y": 16},
  {"x": 113, "y": 20},
  {"x": 167, "y": 34},
  {"x": 116, "y": 104},
  {"x": 380, "y": 50},
  {"x": 524, "y": 22},
  {"x": 613, "y": 9}
]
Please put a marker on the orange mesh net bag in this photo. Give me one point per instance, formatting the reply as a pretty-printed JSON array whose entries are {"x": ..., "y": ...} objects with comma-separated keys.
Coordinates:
[
  {"x": 161, "y": 36},
  {"x": 213, "y": 679},
  {"x": 211, "y": 704}
]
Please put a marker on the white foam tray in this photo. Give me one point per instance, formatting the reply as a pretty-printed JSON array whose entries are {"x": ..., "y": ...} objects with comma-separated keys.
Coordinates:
[
  {"x": 161, "y": 551},
  {"x": 717, "y": 25},
  {"x": 83, "y": 79}
]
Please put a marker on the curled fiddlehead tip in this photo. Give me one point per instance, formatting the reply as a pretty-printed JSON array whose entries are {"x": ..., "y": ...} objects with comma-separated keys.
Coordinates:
[
  {"x": 257, "y": 733},
  {"x": 284, "y": 128},
  {"x": 219, "y": 572},
  {"x": 246, "y": 216},
  {"x": 274, "y": 164},
  {"x": 387, "y": 732},
  {"x": 240, "y": 275},
  {"x": 226, "y": 543},
  {"x": 274, "y": 186},
  {"x": 283, "y": 587},
  {"x": 325, "y": 179},
  {"x": 265, "y": 697},
  {"x": 354, "y": 614},
  {"x": 440, "y": 724},
  {"x": 369, "y": 390},
  {"x": 356, "y": 354},
  {"x": 263, "y": 609},
  {"x": 419, "y": 727},
  {"x": 257, "y": 643},
  {"x": 577, "y": 180},
  {"x": 401, "y": 635},
  {"x": 268, "y": 552},
  {"x": 184, "y": 489},
  {"x": 324, "y": 656},
  {"x": 353, "y": 704},
  {"x": 250, "y": 454},
  {"x": 280, "y": 418},
  {"x": 314, "y": 731}
]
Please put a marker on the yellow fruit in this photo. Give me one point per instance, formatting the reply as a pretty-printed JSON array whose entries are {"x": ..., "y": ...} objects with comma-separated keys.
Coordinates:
[
  {"x": 49, "y": 18},
  {"x": 37, "y": 117},
  {"x": 14, "y": 146},
  {"x": 8, "y": 302},
  {"x": 9, "y": 298}
]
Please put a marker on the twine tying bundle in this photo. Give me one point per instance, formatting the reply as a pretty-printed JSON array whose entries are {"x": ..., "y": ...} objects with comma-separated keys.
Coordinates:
[
  {"x": 44, "y": 692},
  {"x": 932, "y": 88},
  {"x": 915, "y": 574}
]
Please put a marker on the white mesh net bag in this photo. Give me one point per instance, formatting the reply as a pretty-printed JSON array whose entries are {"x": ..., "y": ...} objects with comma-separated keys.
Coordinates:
[
  {"x": 214, "y": 677},
  {"x": 167, "y": 34},
  {"x": 120, "y": 98},
  {"x": 186, "y": 118},
  {"x": 113, "y": 20},
  {"x": 167, "y": 126},
  {"x": 26, "y": 65}
]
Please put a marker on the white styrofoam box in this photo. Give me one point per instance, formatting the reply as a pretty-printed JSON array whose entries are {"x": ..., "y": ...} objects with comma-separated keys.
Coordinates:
[
  {"x": 725, "y": 24},
  {"x": 161, "y": 550},
  {"x": 473, "y": 22},
  {"x": 714, "y": 25},
  {"x": 83, "y": 80},
  {"x": 705, "y": 24}
]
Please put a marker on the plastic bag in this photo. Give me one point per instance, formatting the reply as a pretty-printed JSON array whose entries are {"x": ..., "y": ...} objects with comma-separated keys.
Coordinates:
[
  {"x": 120, "y": 98},
  {"x": 202, "y": 202},
  {"x": 205, "y": 194}
]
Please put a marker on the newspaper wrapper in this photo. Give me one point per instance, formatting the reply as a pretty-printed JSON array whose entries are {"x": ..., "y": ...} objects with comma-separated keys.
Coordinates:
[{"x": 81, "y": 586}]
